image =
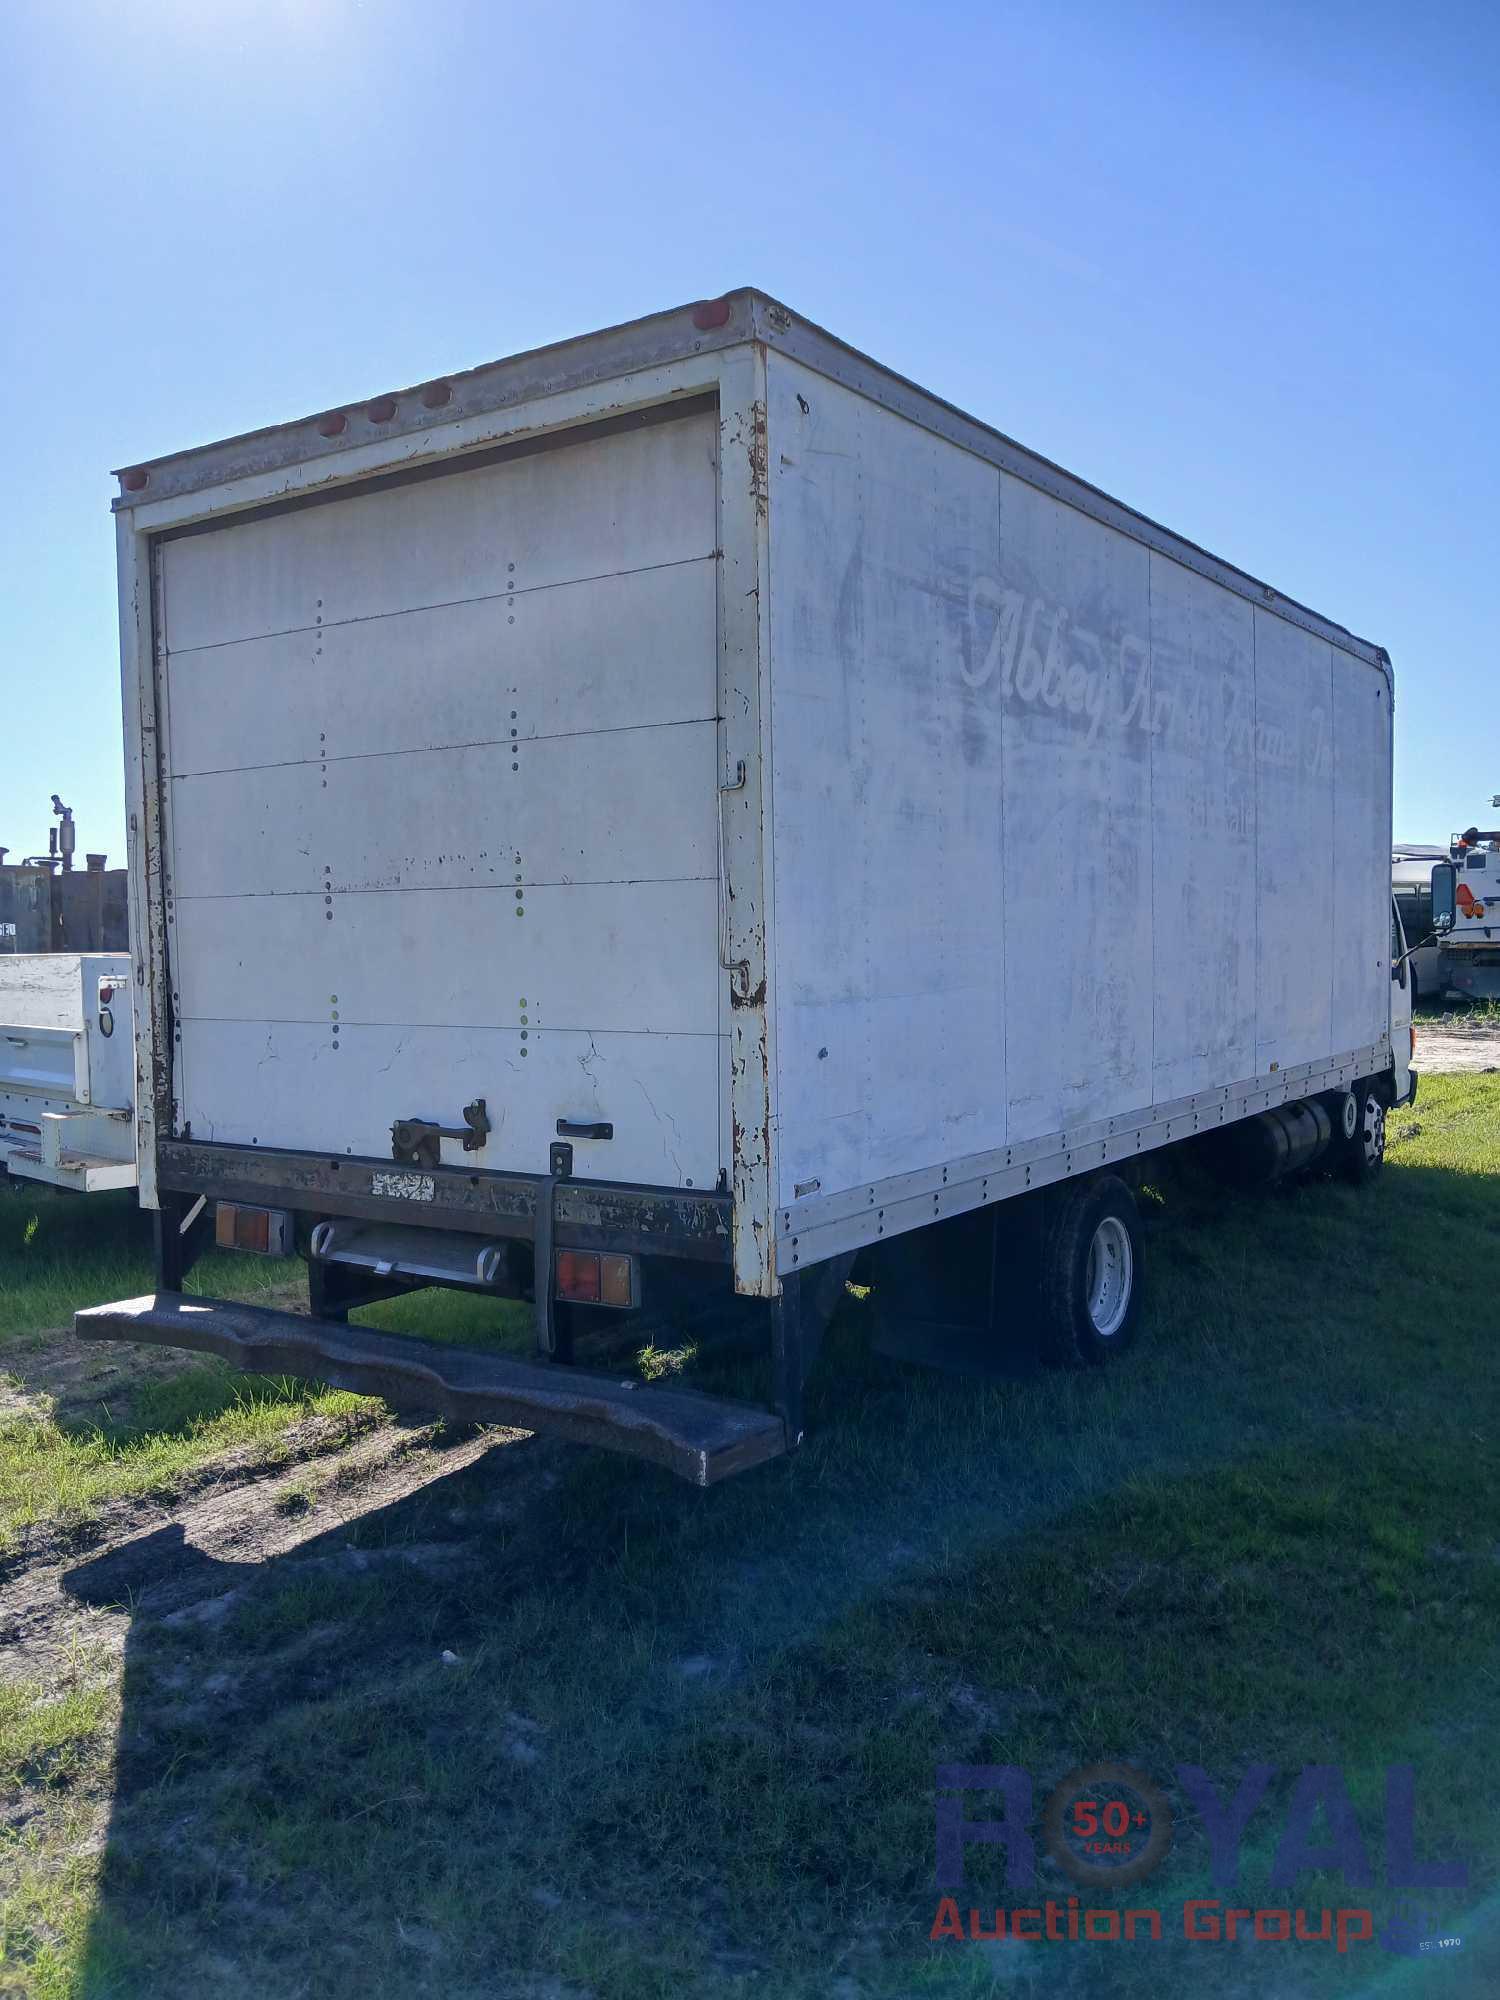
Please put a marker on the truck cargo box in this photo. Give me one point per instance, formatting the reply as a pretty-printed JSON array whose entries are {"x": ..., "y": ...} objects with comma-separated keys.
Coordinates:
[{"x": 689, "y": 787}]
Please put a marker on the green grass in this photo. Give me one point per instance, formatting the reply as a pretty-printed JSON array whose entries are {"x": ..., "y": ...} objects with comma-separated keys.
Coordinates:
[
  {"x": 455, "y": 1318},
  {"x": 46, "y": 1738},
  {"x": 1483, "y": 1013},
  {"x": 49, "y": 1474},
  {"x": 64, "y": 1457},
  {"x": 60, "y": 1250},
  {"x": 56, "y": 1744},
  {"x": 688, "y": 1746}
]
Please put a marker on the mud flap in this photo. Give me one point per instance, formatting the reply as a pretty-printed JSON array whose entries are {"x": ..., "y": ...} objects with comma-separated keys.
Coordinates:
[{"x": 963, "y": 1295}]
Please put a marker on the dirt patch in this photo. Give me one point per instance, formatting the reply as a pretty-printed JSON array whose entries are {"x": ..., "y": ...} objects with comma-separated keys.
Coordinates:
[
  {"x": 96, "y": 1382},
  {"x": 167, "y": 1554},
  {"x": 1457, "y": 1046},
  {"x": 162, "y": 1557},
  {"x": 81, "y": 1384}
]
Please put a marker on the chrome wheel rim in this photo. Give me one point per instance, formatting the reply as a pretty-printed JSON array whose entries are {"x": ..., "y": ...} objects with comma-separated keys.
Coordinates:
[
  {"x": 1111, "y": 1272},
  {"x": 1374, "y": 1130}
]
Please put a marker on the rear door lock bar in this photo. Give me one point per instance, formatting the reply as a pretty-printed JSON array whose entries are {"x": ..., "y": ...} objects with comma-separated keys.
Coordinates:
[{"x": 417, "y": 1141}]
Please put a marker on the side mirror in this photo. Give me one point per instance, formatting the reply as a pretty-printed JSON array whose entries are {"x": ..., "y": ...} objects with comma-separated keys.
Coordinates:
[{"x": 1444, "y": 897}]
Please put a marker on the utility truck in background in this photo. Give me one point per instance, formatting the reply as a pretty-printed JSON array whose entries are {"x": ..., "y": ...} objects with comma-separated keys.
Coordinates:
[
  {"x": 1449, "y": 901},
  {"x": 593, "y": 827},
  {"x": 1471, "y": 947}
]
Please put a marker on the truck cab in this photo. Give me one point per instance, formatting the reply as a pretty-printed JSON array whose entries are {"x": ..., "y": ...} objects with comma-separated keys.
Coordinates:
[{"x": 1411, "y": 885}]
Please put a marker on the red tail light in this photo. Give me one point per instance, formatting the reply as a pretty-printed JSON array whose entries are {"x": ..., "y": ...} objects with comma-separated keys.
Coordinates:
[
  {"x": 578, "y": 1276},
  {"x": 266, "y": 1230},
  {"x": 584, "y": 1277}
]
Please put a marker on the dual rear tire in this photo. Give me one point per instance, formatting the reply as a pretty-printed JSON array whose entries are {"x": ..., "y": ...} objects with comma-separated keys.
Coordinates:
[
  {"x": 1091, "y": 1251},
  {"x": 1360, "y": 1134}
]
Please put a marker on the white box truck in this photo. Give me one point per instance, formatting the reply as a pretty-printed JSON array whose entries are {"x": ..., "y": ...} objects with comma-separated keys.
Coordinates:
[{"x": 684, "y": 808}]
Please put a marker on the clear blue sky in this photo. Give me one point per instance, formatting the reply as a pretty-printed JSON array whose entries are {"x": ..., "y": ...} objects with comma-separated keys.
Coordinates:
[{"x": 1235, "y": 263}]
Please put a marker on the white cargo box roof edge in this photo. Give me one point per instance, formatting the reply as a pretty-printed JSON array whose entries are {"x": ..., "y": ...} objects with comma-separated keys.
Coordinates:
[{"x": 404, "y": 430}]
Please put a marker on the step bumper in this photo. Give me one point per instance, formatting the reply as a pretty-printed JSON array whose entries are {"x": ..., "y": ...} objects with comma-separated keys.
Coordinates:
[{"x": 703, "y": 1439}]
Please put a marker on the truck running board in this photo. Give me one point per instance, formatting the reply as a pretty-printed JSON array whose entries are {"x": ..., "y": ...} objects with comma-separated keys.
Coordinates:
[{"x": 701, "y": 1438}]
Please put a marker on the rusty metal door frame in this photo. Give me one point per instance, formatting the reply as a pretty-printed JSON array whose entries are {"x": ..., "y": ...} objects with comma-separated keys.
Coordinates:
[{"x": 745, "y": 806}]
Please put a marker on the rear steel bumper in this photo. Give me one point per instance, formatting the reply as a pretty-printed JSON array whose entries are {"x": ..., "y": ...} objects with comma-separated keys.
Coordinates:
[
  {"x": 702, "y": 1439},
  {"x": 586, "y": 1214}
]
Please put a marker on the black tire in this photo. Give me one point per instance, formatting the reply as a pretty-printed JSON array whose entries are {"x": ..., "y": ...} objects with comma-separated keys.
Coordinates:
[
  {"x": 1363, "y": 1152},
  {"x": 1086, "y": 1317}
]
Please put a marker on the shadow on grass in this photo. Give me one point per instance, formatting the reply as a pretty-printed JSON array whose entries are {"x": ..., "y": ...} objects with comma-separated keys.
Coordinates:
[{"x": 686, "y": 1743}]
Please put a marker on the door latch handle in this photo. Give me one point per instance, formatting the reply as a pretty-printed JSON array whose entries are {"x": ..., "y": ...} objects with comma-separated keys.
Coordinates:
[{"x": 418, "y": 1141}]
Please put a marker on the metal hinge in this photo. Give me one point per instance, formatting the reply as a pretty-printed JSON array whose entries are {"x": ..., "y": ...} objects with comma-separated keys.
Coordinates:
[{"x": 738, "y": 968}]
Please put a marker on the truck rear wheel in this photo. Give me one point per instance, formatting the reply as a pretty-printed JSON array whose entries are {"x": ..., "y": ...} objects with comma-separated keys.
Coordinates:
[
  {"x": 1364, "y": 1146},
  {"x": 1091, "y": 1266}
]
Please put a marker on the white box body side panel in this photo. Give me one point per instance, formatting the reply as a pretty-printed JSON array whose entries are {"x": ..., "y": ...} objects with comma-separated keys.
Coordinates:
[
  {"x": 1058, "y": 669},
  {"x": 1056, "y": 818},
  {"x": 1363, "y": 737},
  {"x": 889, "y": 964},
  {"x": 1203, "y": 794},
  {"x": 1295, "y": 857},
  {"x": 443, "y": 810}
]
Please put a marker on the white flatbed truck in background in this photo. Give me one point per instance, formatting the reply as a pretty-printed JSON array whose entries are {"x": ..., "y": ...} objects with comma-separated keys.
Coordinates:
[
  {"x": 67, "y": 1070},
  {"x": 594, "y": 828}
]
